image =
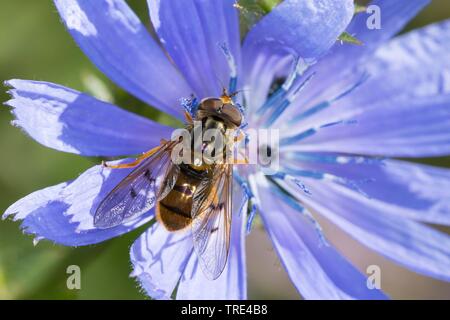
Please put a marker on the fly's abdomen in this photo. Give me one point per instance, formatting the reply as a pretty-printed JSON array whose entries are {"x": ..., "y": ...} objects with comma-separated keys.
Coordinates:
[{"x": 174, "y": 211}]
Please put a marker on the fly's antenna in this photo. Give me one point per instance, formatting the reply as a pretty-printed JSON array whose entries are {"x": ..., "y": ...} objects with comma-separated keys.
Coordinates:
[
  {"x": 222, "y": 85},
  {"x": 226, "y": 97},
  {"x": 237, "y": 92}
]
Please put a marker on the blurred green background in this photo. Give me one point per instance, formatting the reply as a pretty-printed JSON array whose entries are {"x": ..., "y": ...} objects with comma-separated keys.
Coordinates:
[{"x": 35, "y": 45}]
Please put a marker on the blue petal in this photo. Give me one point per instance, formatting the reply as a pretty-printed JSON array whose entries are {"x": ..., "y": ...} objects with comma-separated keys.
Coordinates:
[
  {"x": 115, "y": 40},
  {"x": 159, "y": 258},
  {"x": 420, "y": 50},
  {"x": 394, "y": 16},
  {"x": 232, "y": 283},
  {"x": 67, "y": 120},
  {"x": 192, "y": 33},
  {"x": 411, "y": 65},
  {"x": 265, "y": 69},
  {"x": 409, "y": 243},
  {"x": 404, "y": 127},
  {"x": 342, "y": 59},
  {"x": 304, "y": 28},
  {"x": 407, "y": 190},
  {"x": 318, "y": 271},
  {"x": 64, "y": 213}
]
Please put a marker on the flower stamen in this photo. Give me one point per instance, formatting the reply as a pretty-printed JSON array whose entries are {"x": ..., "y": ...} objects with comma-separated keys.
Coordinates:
[
  {"x": 327, "y": 103},
  {"x": 232, "y": 66}
]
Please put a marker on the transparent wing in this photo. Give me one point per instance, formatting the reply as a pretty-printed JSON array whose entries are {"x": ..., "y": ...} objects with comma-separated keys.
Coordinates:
[
  {"x": 137, "y": 193},
  {"x": 211, "y": 224}
]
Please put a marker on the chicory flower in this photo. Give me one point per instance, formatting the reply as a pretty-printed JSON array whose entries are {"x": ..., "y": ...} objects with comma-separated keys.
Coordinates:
[{"x": 343, "y": 112}]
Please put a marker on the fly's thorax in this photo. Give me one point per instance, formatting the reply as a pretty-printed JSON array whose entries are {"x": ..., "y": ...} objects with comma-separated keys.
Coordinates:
[
  {"x": 217, "y": 139},
  {"x": 214, "y": 123},
  {"x": 222, "y": 108},
  {"x": 209, "y": 135}
]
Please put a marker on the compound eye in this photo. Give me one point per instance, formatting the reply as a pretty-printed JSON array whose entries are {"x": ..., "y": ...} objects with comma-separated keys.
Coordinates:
[
  {"x": 211, "y": 105},
  {"x": 233, "y": 113}
]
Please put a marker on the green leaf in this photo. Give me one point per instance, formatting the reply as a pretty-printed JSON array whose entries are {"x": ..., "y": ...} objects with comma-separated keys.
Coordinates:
[
  {"x": 359, "y": 8},
  {"x": 251, "y": 11},
  {"x": 348, "y": 38},
  {"x": 268, "y": 5}
]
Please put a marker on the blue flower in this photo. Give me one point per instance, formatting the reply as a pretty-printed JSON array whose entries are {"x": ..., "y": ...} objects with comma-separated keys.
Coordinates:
[{"x": 343, "y": 112}]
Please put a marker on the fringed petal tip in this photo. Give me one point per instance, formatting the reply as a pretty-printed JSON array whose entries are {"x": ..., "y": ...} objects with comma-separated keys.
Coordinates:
[
  {"x": 64, "y": 213},
  {"x": 36, "y": 238},
  {"x": 147, "y": 285},
  {"x": 162, "y": 261},
  {"x": 11, "y": 92},
  {"x": 8, "y": 83},
  {"x": 16, "y": 214},
  {"x": 10, "y": 214},
  {"x": 51, "y": 114},
  {"x": 26, "y": 230},
  {"x": 158, "y": 260}
]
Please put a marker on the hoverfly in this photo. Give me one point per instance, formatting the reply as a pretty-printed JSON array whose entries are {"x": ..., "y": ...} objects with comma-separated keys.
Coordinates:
[{"x": 185, "y": 195}]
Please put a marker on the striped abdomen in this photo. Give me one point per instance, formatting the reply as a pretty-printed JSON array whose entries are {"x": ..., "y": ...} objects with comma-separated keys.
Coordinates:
[{"x": 174, "y": 211}]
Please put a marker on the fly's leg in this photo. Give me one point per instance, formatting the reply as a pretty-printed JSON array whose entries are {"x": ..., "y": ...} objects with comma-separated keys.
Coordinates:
[
  {"x": 241, "y": 161},
  {"x": 235, "y": 140},
  {"x": 240, "y": 137},
  {"x": 188, "y": 118},
  {"x": 122, "y": 166},
  {"x": 134, "y": 163}
]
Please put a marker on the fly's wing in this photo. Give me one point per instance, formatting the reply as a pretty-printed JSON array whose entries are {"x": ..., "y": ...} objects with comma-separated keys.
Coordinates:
[
  {"x": 211, "y": 224},
  {"x": 167, "y": 184},
  {"x": 137, "y": 193}
]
